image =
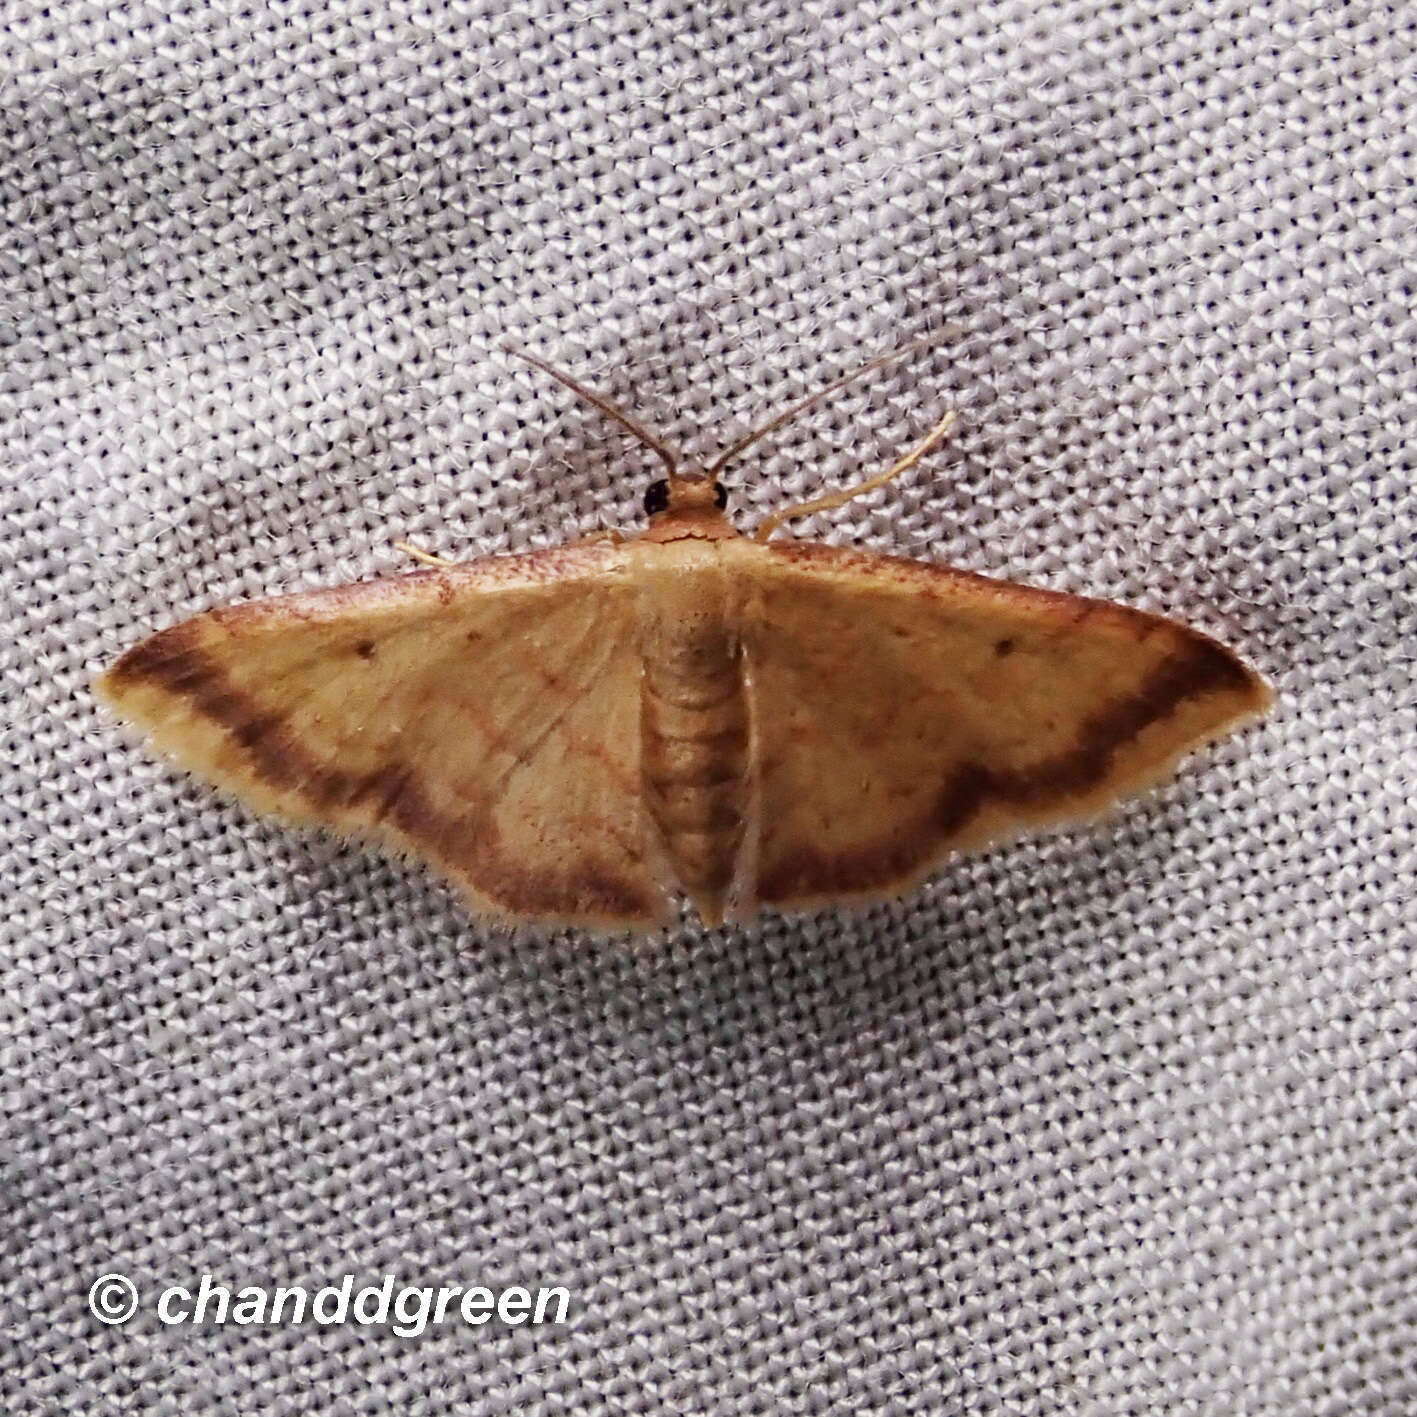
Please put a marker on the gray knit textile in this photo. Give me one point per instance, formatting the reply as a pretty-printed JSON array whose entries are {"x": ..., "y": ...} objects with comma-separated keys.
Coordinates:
[{"x": 1121, "y": 1119}]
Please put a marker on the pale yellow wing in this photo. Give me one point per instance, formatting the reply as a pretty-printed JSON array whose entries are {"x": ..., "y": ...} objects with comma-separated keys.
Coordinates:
[
  {"x": 903, "y": 710},
  {"x": 485, "y": 718}
]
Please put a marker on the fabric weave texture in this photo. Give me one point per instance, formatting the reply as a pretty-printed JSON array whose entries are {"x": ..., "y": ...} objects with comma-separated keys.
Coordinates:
[{"x": 1119, "y": 1120}]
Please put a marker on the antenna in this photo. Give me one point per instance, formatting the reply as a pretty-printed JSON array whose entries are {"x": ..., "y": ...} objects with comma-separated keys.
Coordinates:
[{"x": 603, "y": 404}]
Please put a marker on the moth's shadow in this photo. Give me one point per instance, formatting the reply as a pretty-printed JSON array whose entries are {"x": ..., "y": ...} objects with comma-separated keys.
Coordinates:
[{"x": 840, "y": 989}]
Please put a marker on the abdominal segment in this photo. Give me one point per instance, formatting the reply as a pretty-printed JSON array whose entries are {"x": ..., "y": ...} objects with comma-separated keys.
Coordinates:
[{"x": 696, "y": 754}]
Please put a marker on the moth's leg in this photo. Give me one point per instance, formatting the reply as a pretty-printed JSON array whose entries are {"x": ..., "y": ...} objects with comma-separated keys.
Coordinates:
[
  {"x": 426, "y": 557},
  {"x": 770, "y": 523}
]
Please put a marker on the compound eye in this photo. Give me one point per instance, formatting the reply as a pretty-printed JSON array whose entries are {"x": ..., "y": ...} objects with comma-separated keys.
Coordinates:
[
  {"x": 720, "y": 496},
  {"x": 657, "y": 497}
]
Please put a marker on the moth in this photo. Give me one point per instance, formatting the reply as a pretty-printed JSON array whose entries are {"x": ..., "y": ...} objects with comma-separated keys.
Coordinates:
[{"x": 576, "y": 735}]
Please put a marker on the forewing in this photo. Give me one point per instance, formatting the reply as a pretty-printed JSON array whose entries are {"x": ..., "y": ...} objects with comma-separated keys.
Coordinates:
[
  {"x": 484, "y": 717},
  {"x": 905, "y": 710}
]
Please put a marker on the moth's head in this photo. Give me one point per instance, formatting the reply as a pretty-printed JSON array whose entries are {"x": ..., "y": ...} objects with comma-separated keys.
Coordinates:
[{"x": 686, "y": 504}]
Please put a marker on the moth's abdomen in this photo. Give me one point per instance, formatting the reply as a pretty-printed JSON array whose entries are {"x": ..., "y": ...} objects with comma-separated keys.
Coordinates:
[{"x": 695, "y": 754}]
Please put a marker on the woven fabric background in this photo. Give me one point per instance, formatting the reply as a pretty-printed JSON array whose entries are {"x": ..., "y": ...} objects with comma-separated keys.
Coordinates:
[{"x": 1119, "y": 1120}]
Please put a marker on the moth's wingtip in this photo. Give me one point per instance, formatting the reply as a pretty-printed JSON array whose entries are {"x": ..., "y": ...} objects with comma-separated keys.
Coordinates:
[
  {"x": 1265, "y": 696},
  {"x": 111, "y": 686},
  {"x": 108, "y": 686},
  {"x": 155, "y": 660},
  {"x": 1216, "y": 670},
  {"x": 1254, "y": 698}
]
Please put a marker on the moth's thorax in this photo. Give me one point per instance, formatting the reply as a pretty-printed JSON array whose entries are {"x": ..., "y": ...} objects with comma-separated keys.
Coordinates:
[
  {"x": 694, "y": 718},
  {"x": 694, "y": 510}
]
